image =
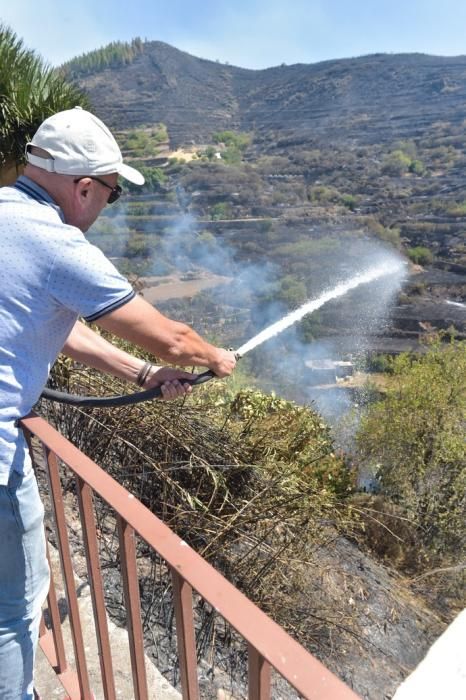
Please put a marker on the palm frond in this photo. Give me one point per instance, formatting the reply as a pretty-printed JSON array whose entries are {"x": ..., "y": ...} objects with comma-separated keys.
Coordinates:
[{"x": 30, "y": 91}]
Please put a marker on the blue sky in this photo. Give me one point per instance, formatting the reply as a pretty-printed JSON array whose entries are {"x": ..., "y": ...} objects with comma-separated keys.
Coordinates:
[{"x": 248, "y": 33}]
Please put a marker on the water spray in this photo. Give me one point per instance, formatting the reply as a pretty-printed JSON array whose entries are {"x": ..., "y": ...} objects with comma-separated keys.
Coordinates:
[
  {"x": 361, "y": 278},
  {"x": 274, "y": 329}
]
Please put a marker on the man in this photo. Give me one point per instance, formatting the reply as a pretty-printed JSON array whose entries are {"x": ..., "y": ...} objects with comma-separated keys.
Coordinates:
[{"x": 50, "y": 276}]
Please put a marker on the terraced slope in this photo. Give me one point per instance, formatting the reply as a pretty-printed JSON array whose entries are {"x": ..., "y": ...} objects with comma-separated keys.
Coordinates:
[{"x": 368, "y": 99}]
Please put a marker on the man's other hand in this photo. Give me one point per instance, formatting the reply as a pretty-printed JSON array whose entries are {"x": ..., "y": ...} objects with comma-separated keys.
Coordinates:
[{"x": 170, "y": 381}]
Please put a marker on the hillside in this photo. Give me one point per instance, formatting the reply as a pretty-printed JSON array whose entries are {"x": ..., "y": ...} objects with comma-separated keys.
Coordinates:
[
  {"x": 371, "y": 99},
  {"x": 331, "y": 154}
]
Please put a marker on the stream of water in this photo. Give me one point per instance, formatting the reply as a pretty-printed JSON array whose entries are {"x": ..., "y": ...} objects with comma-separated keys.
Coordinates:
[{"x": 370, "y": 275}]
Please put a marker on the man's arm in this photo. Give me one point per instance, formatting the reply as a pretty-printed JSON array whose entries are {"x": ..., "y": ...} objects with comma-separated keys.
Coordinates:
[
  {"x": 177, "y": 343},
  {"x": 91, "y": 349}
]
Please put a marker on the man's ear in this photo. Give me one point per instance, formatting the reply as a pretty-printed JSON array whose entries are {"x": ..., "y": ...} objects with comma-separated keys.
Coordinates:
[{"x": 82, "y": 188}]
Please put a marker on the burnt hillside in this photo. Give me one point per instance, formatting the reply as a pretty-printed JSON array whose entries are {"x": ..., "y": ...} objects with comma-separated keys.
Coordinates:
[
  {"x": 372, "y": 146},
  {"x": 371, "y": 99}
]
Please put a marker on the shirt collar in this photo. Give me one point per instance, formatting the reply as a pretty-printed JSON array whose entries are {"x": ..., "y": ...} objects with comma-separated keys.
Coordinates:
[{"x": 35, "y": 191}]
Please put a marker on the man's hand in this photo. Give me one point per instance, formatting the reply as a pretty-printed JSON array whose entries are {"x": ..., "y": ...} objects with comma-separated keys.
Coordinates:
[
  {"x": 224, "y": 364},
  {"x": 170, "y": 381}
]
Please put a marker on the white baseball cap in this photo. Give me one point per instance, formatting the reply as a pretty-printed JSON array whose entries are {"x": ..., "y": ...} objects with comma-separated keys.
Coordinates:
[{"x": 79, "y": 144}]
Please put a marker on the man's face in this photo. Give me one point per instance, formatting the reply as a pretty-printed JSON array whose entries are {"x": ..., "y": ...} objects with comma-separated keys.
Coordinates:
[{"x": 88, "y": 197}]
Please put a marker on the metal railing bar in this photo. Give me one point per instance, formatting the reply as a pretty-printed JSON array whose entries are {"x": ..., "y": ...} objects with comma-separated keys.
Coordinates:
[
  {"x": 126, "y": 536},
  {"x": 89, "y": 531},
  {"x": 68, "y": 678},
  {"x": 54, "y": 613},
  {"x": 183, "y": 603},
  {"x": 290, "y": 659},
  {"x": 259, "y": 673},
  {"x": 68, "y": 574}
]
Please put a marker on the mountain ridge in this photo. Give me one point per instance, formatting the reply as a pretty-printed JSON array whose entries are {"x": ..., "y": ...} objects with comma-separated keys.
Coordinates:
[{"x": 360, "y": 99}]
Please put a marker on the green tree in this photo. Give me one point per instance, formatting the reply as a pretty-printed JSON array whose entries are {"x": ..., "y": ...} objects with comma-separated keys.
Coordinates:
[
  {"x": 145, "y": 142},
  {"x": 417, "y": 167},
  {"x": 117, "y": 53},
  {"x": 396, "y": 163},
  {"x": 154, "y": 179},
  {"x": 349, "y": 201},
  {"x": 231, "y": 155},
  {"x": 210, "y": 152},
  {"x": 137, "y": 246},
  {"x": 30, "y": 91},
  {"x": 221, "y": 210},
  {"x": 235, "y": 144},
  {"x": 420, "y": 255},
  {"x": 233, "y": 139},
  {"x": 292, "y": 291},
  {"x": 310, "y": 327},
  {"x": 415, "y": 439}
]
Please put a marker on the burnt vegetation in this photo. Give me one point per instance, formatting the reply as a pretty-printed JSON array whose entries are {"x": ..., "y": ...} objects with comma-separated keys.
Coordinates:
[{"x": 256, "y": 485}]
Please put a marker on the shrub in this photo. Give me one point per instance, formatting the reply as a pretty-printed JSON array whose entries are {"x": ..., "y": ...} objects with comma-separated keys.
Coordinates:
[
  {"x": 416, "y": 437},
  {"x": 417, "y": 167},
  {"x": 380, "y": 362},
  {"x": 406, "y": 147},
  {"x": 137, "y": 246},
  {"x": 420, "y": 255},
  {"x": 396, "y": 163},
  {"x": 265, "y": 225},
  {"x": 322, "y": 194},
  {"x": 221, "y": 210},
  {"x": 239, "y": 140},
  {"x": 458, "y": 209},
  {"x": 384, "y": 528},
  {"x": 349, "y": 201},
  {"x": 292, "y": 291}
]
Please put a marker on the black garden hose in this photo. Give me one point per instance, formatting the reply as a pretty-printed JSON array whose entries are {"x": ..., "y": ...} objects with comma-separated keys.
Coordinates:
[{"x": 123, "y": 400}]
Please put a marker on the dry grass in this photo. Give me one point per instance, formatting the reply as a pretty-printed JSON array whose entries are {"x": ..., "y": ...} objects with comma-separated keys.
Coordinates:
[{"x": 247, "y": 486}]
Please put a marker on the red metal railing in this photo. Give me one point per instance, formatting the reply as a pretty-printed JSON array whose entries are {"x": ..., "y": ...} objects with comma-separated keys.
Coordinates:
[{"x": 268, "y": 644}]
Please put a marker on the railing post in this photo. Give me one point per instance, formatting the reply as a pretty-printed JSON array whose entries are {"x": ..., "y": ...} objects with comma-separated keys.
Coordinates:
[
  {"x": 68, "y": 574},
  {"x": 55, "y": 621},
  {"x": 133, "y": 606},
  {"x": 86, "y": 510},
  {"x": 258, "y": 675},
  {"x": 183, "y": 602}
]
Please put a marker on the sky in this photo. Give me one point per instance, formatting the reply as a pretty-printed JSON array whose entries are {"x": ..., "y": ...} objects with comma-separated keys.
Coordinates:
[{"x": 247, "y": 33}]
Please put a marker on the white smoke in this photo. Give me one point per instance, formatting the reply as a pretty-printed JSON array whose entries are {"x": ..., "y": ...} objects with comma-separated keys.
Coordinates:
[{"x": 353, "y": 287}]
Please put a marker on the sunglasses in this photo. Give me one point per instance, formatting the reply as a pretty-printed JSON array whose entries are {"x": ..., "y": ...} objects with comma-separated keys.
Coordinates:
[{"x": 115, "y": 191}]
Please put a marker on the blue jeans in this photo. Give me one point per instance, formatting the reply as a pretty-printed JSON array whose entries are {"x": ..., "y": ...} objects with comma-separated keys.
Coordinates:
[{"x": 24, "y": 581}]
